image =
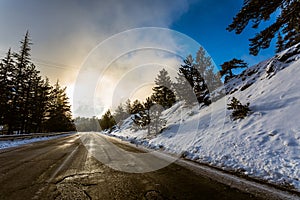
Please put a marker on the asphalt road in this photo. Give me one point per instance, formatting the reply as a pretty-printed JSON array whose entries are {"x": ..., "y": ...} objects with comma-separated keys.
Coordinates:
[{"x": 64, "y": 169}]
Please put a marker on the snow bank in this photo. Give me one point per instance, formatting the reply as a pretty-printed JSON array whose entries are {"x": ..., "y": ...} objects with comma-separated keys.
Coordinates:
[
  {"x": 14, "y": 143},
  {"x": 265, "y": 145}
]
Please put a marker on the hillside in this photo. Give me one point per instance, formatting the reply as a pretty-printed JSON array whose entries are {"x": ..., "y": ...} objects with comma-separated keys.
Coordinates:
[{"x": 265, "y": 145}]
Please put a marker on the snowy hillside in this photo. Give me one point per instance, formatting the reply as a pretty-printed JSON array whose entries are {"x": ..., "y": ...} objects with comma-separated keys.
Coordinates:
[{"x": 265, "y": 145}]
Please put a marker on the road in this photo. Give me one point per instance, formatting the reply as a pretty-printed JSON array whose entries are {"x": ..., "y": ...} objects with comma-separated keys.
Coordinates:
[{"x": 63, "y": 169}]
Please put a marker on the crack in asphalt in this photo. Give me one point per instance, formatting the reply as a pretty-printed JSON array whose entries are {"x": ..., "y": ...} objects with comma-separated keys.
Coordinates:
[
  {"x": 74, "y": 176},
  {"x": 73, "y": 184}
]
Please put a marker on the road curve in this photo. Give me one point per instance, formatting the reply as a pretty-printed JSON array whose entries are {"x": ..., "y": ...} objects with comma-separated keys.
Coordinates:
[{"x": 63, "y": 169}]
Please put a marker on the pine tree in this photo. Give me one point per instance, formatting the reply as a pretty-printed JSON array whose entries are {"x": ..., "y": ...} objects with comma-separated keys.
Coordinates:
[
  {"x": 140, "y": 114},
  {"x": 228, "y": 66},
  {"x": 42, "y": 94},
  {"x": 59, "y": 116},
  {"x": 120, "y": 114},
  {"x": 107, "y": 121},
  {"x": 18, "y": 116},
  {"x": 136, "y": 107},
  {"x": 25, "y": 103},
  {"x": 185, "y": 82},
  {"x": 204, "y": 65},
  {"x": 6, "y": 88},
  {"x": 148, "y": 105},
  {"x": 128, "y": 107},
  {"x": 240, "y": 111},
  {"x": 196, "y": 89},
  {"x": 162, "y": 93},
  {"x": 156, "y": 121},
  {"x": 183, "y": 90},
  {"x": 279, "y": 43},
  {"x": 256, "y": 12}
]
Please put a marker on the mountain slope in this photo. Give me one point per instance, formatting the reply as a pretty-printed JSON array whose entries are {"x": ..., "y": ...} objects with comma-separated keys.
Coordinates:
[{"x": 264, "y": 145}]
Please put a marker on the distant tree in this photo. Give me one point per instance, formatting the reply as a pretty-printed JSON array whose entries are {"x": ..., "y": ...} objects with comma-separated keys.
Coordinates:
[
  {"x": 162, "y": 93},
  {"x": 150, "y": 117},
  {"x": 120, "y": 114},
  {"x": 136, "y": 107},
  {"x": 184, "y": 85},
  {"x": 107, "y": 121},
  {"x": 87, "y": 124},
  {"x": 147, "y": 105},
  {"x": 139, "y": 116},
  {"x": 204, "y": 65},
  {"x": 279, "y": 43},
  {"x": 240, "y": 111},
  {"x": 128, "y": 107},
  {"x": 156, "y": 120},
  {"x": 228, "y": 66},
  {"x": 196, "y": 89},
  {"x": 256, "y": 12}
]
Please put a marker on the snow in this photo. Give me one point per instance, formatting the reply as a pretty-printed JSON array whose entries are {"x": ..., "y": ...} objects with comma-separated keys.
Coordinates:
[
  {"x": 15, "y": 143},
  {"x": 265, "y": 145}
]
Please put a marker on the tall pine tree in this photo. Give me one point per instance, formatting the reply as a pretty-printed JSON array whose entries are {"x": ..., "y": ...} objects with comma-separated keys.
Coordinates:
[
  {"x": 59, "y": 116},
  {"x": 256, "y": 12},
  {"x": 162, "y": 93},
  {"x": 228, "y": 66}
]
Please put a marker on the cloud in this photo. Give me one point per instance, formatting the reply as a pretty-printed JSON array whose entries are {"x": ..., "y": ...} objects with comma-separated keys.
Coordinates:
[
  {"x": 119, "y": 66},
  {"x": 64, "y": 32}
]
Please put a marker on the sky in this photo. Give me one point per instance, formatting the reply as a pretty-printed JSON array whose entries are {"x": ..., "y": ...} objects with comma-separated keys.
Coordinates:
[{"x": 67, "y": 35}]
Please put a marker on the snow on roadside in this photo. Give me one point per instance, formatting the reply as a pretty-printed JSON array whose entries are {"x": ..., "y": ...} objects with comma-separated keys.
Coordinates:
[
  {"x": 15, "y": 143},
  {"x": 265, "y": 145}
]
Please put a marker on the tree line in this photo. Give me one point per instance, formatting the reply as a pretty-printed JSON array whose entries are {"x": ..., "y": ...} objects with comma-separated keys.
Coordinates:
[
  {"x": 28, "y": 102},
  {"x": 196, "y": 79}
]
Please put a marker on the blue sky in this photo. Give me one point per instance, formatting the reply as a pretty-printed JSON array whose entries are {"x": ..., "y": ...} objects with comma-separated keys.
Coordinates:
[{"x": 206, "y": 22}]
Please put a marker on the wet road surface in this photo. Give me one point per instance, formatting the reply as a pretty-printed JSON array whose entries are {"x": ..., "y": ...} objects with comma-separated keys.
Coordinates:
[{"x": 63, "y": 169}]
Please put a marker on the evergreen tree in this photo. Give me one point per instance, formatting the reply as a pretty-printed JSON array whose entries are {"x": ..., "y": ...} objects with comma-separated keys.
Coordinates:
[
  {"x": 162, "y": 93},
  {"x": 40, "y": 107},
  {"x": 120, "y": 114},
  {"x": 59, "y": 113},
  {"x": 128, "y": 107},
  {"x": 156, "y": 121},
  {"x": 87, "y": 124},
  {"x": 136, "y": 107},
  {"x": 256, "y": 12},
  {"x": 6, "y": 88},
  {"x": 183, "y": 90},
  {"x": 228, "y": 66},
  {"x": 141, "y": 112},
  {"x": 204, "y": 65},
  {"x": 25, "y": 103},
  {"x": 196, "y": 89},
  {"x": 147, "y": 105},
  {"x": 240, "y": 111},
  {"x": 279, "y": 43},
  {"x": 107, "y": 121},
  {"x": 17, "y": 116}
]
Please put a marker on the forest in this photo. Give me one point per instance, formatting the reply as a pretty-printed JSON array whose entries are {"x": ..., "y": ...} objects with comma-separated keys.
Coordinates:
[{"x": 28, "y": 102}]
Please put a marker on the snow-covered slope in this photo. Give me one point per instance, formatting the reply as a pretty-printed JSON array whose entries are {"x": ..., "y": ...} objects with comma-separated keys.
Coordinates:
[{"x": 264, "y": 145}]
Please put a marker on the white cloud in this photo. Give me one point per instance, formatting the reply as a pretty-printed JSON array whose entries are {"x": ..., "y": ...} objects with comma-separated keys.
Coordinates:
[{"x": 64, "y": 32}]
